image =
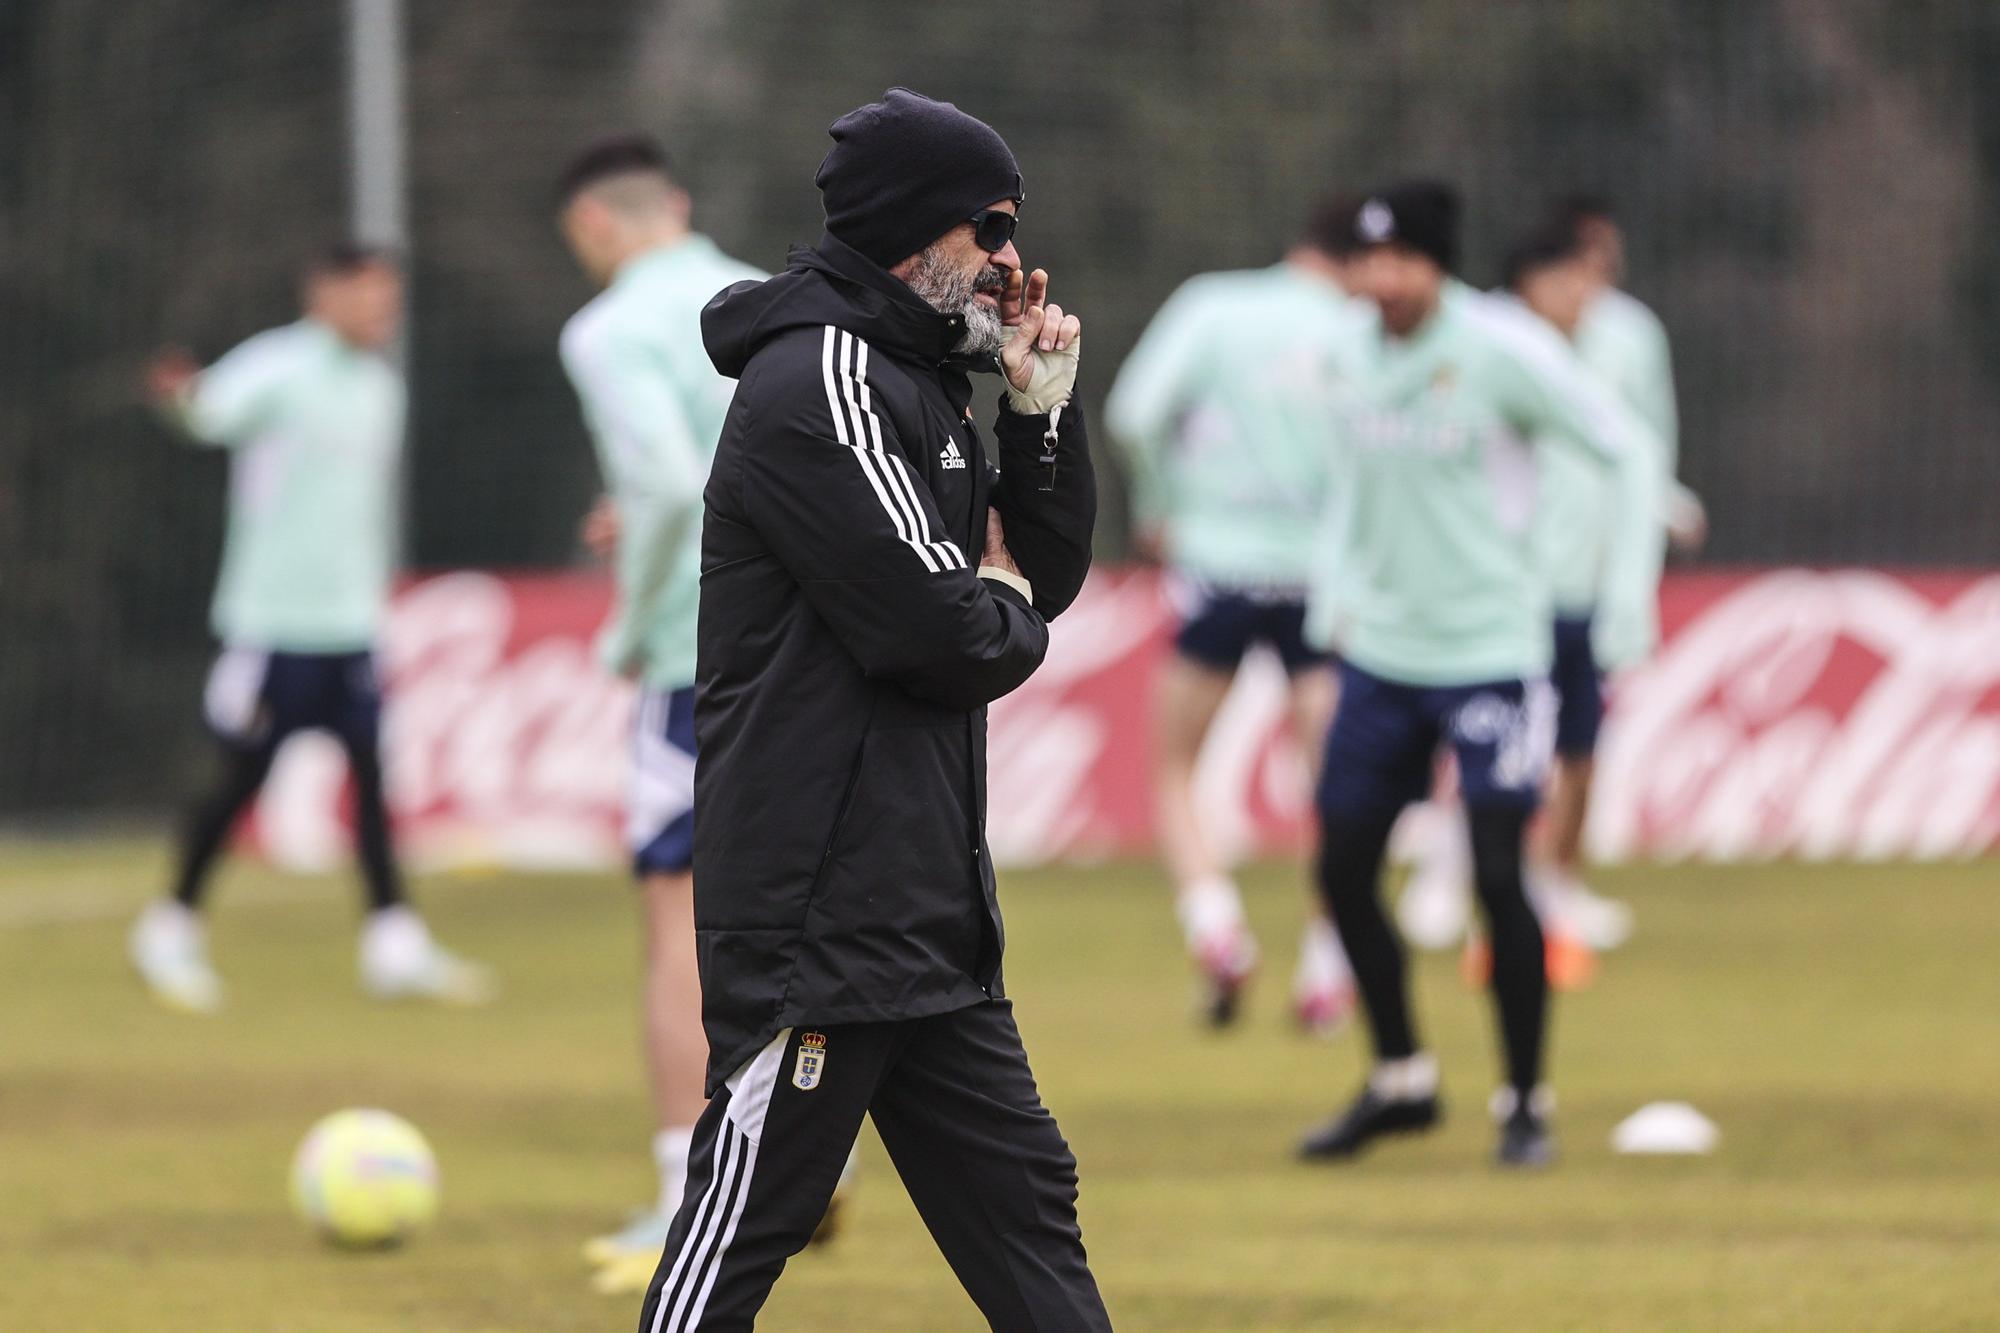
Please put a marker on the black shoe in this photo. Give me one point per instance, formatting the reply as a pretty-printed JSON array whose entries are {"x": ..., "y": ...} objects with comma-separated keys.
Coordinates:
[
  {"x": 1226, "y": 966},
  {"x": 1525, "y": 1140},
  {"x": 1371, "y": 1116},
  {"x": 1222, "y": 1002}
]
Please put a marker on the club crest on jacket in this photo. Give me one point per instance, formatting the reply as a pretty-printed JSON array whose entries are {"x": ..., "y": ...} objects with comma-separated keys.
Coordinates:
[{"x": 812, "y": 1061}]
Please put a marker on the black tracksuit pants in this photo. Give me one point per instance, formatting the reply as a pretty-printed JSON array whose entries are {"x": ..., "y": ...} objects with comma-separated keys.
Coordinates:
[{"x": 956, "y": 1106}]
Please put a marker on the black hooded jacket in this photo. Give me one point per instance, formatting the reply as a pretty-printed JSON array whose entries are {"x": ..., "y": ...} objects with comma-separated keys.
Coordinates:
[{"x": 848, "y": 649}]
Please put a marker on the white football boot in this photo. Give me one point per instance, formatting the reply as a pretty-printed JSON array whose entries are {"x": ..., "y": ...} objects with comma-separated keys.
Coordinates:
[
  {"x": 1600, "y": 922},
  {"x": 169, "y": 948},
  {"x": 401, "y": 961}
]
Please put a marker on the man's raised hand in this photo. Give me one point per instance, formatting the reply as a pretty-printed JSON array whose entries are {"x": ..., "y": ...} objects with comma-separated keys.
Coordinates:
[{"x": 1039, "y": 357}]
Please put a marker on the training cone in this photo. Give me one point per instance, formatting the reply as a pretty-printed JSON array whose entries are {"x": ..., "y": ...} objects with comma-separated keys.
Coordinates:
[
  {"x": 1572, "y": 964},
  {"x": 1666, "y": 1129}
]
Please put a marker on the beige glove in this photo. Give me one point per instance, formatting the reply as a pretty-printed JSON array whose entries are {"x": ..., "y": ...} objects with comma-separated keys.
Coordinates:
[
  {"x": 1043, "y": 343},
  {"x": 1051, "y": 377}
]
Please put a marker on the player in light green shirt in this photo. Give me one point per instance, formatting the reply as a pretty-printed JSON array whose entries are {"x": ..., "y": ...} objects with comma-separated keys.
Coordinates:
[
  {"x": 1221, "y": 414},
  {"x": 1567, "y": 274},
  {"x": 1550, "y": 277},
  {"x": 654, "y": 405},
  {"x": 312, "y": 416},
  {"x": 1625, "y": 346},
  {"x": 1429, "y": 587},
  {"x": 314, "y": 427},
  {"x": 1430, "y": 570}
]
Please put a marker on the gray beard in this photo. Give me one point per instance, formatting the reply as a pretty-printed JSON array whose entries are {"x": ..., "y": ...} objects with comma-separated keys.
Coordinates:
[{"x": 949, "y": 291}]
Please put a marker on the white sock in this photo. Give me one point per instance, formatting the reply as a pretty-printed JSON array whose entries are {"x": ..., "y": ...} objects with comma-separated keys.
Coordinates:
[
  {"x": 670, "y": 1154},
  {"x": 169, "y": 917},
  {"x": 1410, "y": 1079},
  {"x": 1208, "y": 907},
  {"x": 1542, "y": 1101},
  {"x": 1322, "y": 962}
]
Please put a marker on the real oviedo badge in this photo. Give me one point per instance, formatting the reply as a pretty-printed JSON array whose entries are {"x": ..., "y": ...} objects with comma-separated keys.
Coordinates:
[{"x": 812, "y": 1061}]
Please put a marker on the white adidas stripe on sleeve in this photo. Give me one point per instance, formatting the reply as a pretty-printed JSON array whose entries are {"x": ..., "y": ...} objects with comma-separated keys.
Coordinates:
[
  {"x": 898, "y": 469},
  {"x": 844, "y": 359},
  {"x": 838, "y": 410}
]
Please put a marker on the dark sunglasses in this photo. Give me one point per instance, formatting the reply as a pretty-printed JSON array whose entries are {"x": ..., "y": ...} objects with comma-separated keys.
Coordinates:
[{"x": 992, "y": 228}]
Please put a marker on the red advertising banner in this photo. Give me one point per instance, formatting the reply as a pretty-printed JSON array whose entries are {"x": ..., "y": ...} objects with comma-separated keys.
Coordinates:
[
  {"x": 1819, "y": 715},
  {"x": 1815, "y": 714}
]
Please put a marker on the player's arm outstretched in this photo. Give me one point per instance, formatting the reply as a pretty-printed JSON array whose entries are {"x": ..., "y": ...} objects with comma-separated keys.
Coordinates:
[
  {"x": 654, "y": 469},
  {"x": 860, "y": 531},
  {"x": 1555, "y": 399},
  {"x": 223, "y": 405}
]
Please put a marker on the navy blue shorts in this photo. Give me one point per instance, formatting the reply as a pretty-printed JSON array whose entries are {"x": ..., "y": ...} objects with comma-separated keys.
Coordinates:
[
  {"x": 256, "y": 698},
  {"x": 1385, "y": 739},
  {"x": 659, "y": 822},
  {"x": 1220, "y": 624},
  {"x": 1579, "y": 687}
]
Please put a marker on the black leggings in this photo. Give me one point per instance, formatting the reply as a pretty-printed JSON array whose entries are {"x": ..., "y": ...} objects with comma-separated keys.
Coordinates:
[
  {"x": 241, "y": 776},
  {"x": 1350, "y": 873}
]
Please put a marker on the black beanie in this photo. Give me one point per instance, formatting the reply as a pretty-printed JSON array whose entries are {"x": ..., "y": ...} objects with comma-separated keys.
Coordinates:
[
  {"x": 905, "y": 170},
  {"x": 1420, "y": 214}
]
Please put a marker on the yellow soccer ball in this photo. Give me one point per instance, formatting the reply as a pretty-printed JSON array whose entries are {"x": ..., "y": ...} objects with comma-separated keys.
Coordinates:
[{"x": 365, "y": 1178}]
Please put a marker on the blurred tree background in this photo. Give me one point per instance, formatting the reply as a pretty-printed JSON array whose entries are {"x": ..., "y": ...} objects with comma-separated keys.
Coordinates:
[{"x": 1809, "y": 186}]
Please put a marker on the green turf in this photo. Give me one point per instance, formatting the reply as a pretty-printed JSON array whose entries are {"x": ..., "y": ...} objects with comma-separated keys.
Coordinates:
[{"x": 1842, "y": 1025}]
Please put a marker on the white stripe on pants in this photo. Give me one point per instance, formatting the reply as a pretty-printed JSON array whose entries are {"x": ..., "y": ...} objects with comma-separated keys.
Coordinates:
[{"x": 721, "y": 1207}]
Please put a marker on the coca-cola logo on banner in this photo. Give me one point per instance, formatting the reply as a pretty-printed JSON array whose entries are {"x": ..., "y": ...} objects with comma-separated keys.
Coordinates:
[
  {"x": 1850, "y": 714},
  {"x": 1787, "y": 713}
]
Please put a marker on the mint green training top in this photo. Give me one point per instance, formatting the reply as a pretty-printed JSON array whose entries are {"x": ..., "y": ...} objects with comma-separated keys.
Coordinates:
[
  {"x": 314, "y": 427},
  {"x": 1221, "y": 415},
  {"x": 1624, "y": 345},
  {"x": 1427, "y": 571},
  {"x": 654, "y": 405}
]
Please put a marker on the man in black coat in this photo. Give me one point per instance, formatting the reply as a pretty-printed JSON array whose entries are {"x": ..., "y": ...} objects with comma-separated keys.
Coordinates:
[{"x": 873, "y": 575}]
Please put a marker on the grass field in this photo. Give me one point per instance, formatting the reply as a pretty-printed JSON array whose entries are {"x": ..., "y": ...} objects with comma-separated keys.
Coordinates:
[{"x": 1842, "y": 1025}]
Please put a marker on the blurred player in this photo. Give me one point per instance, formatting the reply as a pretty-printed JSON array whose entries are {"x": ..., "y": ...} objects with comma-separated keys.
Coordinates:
[
  {"x": 654, "y": 405},
  {"x": 1221, "y": 411},
  {"x": 1565, "y": 272},
  {"x": 1569, "y": 275},
  {"x": 312, "y": 414},
  {"x": 1428, "y": 586},
  {"x": 1624, "y": 344}
]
